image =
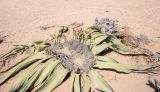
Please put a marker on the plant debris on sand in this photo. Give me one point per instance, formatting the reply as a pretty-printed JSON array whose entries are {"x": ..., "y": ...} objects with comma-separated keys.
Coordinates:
[
  {"x": 2, "y": 37},
  {"x": 154, "y": 84}
]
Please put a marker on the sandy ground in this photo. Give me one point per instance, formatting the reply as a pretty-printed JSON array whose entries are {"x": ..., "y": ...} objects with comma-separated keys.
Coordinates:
[{"x": 21, "y": 20}]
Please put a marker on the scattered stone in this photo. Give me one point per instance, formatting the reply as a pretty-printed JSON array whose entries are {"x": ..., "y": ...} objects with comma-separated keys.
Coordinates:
[{"x": 137, "y": 26}]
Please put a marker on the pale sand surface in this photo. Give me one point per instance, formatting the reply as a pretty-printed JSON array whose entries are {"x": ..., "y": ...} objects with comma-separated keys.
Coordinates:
[{"x": 21, "y": 20}]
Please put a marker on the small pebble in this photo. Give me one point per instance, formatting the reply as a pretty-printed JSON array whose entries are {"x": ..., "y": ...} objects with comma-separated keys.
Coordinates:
[{"x": 138, "y": 26}]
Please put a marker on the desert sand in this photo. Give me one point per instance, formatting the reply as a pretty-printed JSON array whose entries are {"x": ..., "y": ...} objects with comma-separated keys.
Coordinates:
[{"x": 21, "y": 20}]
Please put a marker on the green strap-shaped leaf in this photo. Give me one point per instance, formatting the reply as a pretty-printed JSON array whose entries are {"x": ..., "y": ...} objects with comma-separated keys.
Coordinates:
[
  {"x": 20, "y": 65},
  {"x": 114, "y": 39},
  {"x": 92, "y": 34},
  {"x": 76, "y": 84},
  {"x": 72, "y": 78},
  {"x": 96, "y": 34},
  {"x": 86, "y": 83},
  {"x": 91, "y": 30},
  {"x": 121, "y": 49},
  {"x": 99, "y": 39},
  {"x": 49, "y": 67},
  {"x": 41, "y": 74},
  {"x": 122, "y": 67},
  {"x": 88, "y": 42},
  {"x": 99, "y": 82},
  {"x": 95, "y": 41},
  {"x": 55, "y": 80},
  {"x": 106, "y": 59},
  {"x": 31, "y": 81},
  {"x": 118, "y": 46},
  {"x": 77, "y": 87},
  {"x": 37, "y": 46},
  {"x": 99, "y": 48},
  {"x": 23, "y": 79}
]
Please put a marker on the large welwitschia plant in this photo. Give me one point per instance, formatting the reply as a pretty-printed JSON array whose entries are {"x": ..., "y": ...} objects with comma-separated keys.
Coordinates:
[{"x": 77, "y": 58}]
